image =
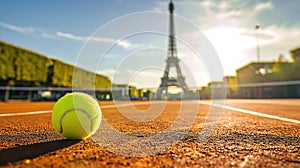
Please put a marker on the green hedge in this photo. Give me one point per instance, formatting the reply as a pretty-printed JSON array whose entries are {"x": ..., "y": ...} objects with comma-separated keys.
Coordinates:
[
  {"x": 62, "y": 74},
  {"x": 21, "y": 65},
  {"x": 30, "y": 67},
  {"x": 18, "y": 64},
  {"x": 7, "y": 56}
]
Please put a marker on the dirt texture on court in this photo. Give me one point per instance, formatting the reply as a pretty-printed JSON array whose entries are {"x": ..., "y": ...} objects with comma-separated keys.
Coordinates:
[{"x": 238, "y": 140}]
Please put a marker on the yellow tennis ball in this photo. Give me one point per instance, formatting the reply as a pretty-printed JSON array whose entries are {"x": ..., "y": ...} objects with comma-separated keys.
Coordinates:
[{"x": 76, "y": 116}]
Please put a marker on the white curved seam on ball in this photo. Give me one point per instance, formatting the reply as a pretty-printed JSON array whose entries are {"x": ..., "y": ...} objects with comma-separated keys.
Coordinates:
[{"x": 74, "y": 109}]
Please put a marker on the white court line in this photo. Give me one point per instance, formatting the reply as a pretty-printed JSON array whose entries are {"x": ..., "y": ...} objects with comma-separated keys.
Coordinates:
[
  {"x": 26, "y": 113},
  {"x": 124, "y": 105},
  {"x": 49, "y": 111},
  {"x": 252, "y": 112}
]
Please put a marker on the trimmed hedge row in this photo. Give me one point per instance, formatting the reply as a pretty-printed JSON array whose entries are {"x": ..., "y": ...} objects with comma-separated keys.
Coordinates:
[{"x": 19, "y": 65}]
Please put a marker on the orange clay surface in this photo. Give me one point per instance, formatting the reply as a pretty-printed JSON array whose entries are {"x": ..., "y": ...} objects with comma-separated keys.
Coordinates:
[{"x": 236, "y": 140}]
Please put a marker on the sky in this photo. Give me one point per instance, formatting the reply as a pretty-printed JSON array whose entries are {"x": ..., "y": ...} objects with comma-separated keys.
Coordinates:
[{"x": 124, "y": 41}]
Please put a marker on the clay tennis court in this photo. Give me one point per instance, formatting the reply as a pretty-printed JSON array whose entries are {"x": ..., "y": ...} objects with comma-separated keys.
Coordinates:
[{"x": 249, "y": 133}]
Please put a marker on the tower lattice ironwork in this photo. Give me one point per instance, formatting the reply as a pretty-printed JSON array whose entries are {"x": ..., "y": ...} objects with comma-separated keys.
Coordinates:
[{"x": 172, "y": 62}]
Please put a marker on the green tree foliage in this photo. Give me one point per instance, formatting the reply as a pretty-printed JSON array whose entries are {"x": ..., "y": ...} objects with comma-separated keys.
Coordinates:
[
  {"x": 269, "y": 72},
  {"x": 7, "y": 56},
  {"x": 83, "y": 78},
  {"x": 31, "y": 67},
  {"x": 102, "y": 82},
  {"x": 65, "y": 75},
  {"x": 22, "y": 65},
  {"x": 287, "y": 72},
  {"x": 62, "y": 74}
]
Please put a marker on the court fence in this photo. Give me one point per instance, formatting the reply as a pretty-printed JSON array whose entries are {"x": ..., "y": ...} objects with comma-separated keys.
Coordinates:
[
  {"x": 48, "y": 93},
  {"x": 101, "y": 94},
  {"x": 285, "y": 89}
]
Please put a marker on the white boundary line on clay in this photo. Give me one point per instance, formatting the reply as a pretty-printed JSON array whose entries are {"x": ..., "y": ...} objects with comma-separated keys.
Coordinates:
[
  {"x": 251, "y": 112},
  {"x": 25, "y": 113},
  {"x": 49, "y": 111},
  {"x": 200, "y": 102}
]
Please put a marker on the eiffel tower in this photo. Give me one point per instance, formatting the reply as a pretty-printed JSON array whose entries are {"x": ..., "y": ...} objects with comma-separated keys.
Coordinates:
[{"x": 172, "y": 62}]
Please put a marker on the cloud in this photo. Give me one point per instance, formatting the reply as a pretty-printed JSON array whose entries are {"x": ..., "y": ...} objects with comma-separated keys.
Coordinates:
[
  {"x": 263, "y": 6},
  {"x": 25, "y": 30},
  {"x": 70, "y": 36},
  {"x": 29, "y": 30},
  {"x": 50, "y": 35},
  {"x": 282, "y": 40},
  {"x": 211, "y": 13},
  {"x": 108, "y": 71},
  {"x": 122, "y": 43},
  {"x": 230, "y": 27},
  {"x": 233, "y": 13},
  {"x": 207, "y": 4}
]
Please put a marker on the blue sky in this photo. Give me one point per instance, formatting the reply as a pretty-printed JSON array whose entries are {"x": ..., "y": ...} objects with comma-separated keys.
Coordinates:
[{"x": 60, "y": 29}]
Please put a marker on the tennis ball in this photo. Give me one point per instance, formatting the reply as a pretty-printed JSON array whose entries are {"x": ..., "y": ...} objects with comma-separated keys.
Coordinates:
[{"x": 76, "y": 116}]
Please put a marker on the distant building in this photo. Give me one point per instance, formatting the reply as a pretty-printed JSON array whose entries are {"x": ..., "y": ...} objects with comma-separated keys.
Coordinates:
[
  {"x": 270, "y": 79},
  {"x": 295, "y": 54},
  {"x": 255, "y": 72},
  {"x": 213, "y": 90},
  {"x": 232, "y": 89},
  {"x": 128, "y": 92},
  {"x": 258, "y": 80}
]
